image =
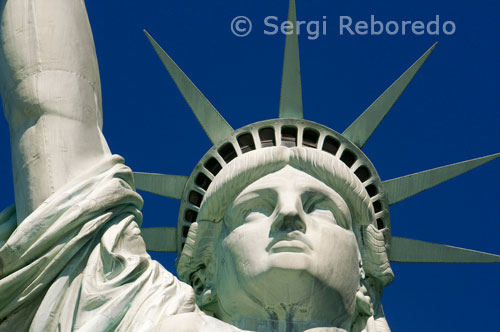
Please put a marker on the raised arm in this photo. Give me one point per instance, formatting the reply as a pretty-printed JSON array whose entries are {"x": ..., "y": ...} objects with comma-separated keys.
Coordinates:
[{"x": 51, "y": 94}]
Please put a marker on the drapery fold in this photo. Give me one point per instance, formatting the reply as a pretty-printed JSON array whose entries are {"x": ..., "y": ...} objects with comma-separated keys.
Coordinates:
[{"x": 78, "y": 262}]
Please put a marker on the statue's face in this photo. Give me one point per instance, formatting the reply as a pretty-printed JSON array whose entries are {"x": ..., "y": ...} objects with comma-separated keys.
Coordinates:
[{"x": 287, "y": 239}]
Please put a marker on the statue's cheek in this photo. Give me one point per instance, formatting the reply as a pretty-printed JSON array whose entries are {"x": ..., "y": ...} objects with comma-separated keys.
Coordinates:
[
  {"x": 341, "y": 269},
  {"x": 244, "y": 249}
]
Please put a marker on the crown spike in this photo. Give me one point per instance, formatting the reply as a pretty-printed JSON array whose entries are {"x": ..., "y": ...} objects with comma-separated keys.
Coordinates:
[
  {"x": 161, "y": 239},
  {"x": 210, "y": 119},
  {"x": 291, "y": 86},
  {"x": 413, "y": 251},
  {"x": 363, "y": 127},
  {"x": 161, "y": 184},
  {"x": 404, "y": 187}
]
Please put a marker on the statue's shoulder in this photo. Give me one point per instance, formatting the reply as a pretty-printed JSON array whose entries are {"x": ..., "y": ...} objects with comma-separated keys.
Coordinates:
[{"x": 194, "y": 322}]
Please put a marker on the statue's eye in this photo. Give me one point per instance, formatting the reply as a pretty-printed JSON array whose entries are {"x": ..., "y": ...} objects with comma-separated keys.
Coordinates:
[
  {"x": 257, "y": 207},
  {"x": 322, "y": 208},
  {"x": 256, "y": 214},
  {"x": 313, "y": 202},
  {"x": 245, "y": 216}
]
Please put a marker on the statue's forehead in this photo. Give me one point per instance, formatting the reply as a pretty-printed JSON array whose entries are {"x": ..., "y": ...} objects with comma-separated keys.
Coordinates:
[{"x": 288, "y": 180}]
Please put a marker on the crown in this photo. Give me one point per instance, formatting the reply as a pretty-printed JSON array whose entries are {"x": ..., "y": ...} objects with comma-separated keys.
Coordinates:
[{"x": 291, "y": 130}]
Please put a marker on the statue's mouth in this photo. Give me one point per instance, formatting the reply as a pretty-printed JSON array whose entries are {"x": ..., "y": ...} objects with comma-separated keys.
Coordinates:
[
  {"x": 290, "y": 242},
  {"x": 289, "y": 246}
]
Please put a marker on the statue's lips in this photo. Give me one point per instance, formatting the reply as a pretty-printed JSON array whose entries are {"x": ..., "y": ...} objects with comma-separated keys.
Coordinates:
[{"x": 289, "y": 245}]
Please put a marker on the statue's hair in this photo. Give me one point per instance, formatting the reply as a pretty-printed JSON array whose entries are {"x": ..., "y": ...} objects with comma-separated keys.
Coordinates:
[
  {"x": 375, "y": 260},
  {"x": 250, "y": 167}
]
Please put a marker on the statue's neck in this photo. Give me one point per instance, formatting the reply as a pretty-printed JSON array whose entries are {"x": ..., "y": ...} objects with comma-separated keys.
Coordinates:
[
  {"x": 287, "y": 307},
  {"x": 284, "y": 325}
]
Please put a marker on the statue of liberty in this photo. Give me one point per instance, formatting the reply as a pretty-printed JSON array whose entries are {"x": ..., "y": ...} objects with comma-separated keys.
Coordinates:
[{"x": 284, "y": 224}]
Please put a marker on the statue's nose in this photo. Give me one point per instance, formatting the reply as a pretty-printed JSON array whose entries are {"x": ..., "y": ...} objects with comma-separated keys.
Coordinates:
[
  {"x": 291, "y": 223},
  {"x": 290, "y": 216}
]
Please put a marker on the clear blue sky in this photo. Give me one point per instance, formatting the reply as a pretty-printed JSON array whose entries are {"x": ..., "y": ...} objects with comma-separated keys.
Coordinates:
[{"x": 449, "y": 113}]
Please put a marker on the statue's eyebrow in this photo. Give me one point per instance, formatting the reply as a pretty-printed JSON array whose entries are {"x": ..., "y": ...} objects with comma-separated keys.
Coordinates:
[
  {"x": 314, "y": 195},
  {"x": 248, "y": 198},
  {"x": 318, "y": 196},
  {"x": 243, "y": 203}
]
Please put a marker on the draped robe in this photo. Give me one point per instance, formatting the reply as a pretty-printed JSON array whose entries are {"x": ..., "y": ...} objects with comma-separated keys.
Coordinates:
[{"x": 78, "y": 262}]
